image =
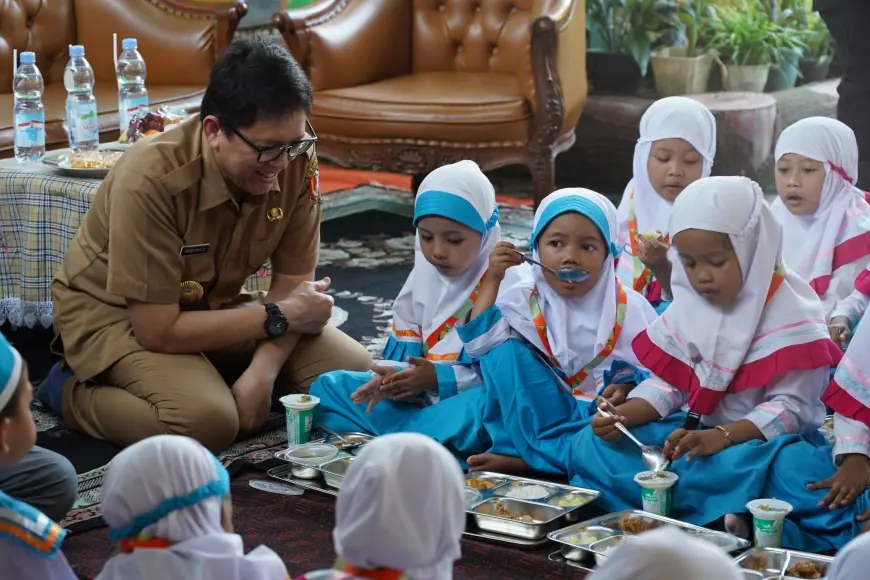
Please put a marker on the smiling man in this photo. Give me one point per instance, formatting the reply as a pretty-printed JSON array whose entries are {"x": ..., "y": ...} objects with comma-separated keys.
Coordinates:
[{"x": 156, "y": 332}]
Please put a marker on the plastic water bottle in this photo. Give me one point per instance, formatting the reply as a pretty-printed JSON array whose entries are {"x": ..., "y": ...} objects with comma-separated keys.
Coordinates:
[
  {"x": 27, "y": 87},
  {"x": 132, "y": 94},
  {"x": 81, "y": 105}
]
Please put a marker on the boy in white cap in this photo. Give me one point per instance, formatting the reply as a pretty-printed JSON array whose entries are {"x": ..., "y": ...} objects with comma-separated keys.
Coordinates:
[{"x": 29, "y": 540}]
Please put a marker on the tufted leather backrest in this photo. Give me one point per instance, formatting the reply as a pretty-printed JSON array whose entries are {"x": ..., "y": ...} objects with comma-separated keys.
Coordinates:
[
  {"x": 471, "y": 35},
  {"x": 46, "y": 27}
]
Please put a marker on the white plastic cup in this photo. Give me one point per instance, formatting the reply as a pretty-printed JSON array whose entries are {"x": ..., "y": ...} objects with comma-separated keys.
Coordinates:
[
  {"x": 299, "y": 412},
  {"x": 768, "y": 517},
  {"x": 657, "y": 491}
]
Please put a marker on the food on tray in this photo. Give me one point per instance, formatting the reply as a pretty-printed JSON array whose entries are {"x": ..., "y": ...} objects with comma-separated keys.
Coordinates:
[
  {"x": 520, "y": 490},
  {"x": 506, "y": 513},
  {"x": 94, "y": 159},
  {"x": 480, "y": 483},
  {"x": 635, "y": 525},
  {"x": 150, "y": 124},
  {"x": 569, "y": 500},
  {"x": 583, "y": 539},
  {"x": 807, "y": 570}
]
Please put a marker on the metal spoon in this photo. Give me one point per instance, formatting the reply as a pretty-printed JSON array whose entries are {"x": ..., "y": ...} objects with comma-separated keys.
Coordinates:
[
  {"x": 564, "y": 274},
  {"x": 329, "y": 431},
  {"x": 653, "y": 457}
]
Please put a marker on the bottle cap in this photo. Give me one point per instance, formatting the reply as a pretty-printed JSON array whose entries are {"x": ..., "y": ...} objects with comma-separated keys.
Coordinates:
[
  {"x": 129, "y": 44},
  {"x": 76, "y": 51},
  {"x": 28, "y": 58}
]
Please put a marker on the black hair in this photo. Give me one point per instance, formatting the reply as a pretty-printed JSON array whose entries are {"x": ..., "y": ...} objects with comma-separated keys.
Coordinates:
[{"x": 252, "y": 80}]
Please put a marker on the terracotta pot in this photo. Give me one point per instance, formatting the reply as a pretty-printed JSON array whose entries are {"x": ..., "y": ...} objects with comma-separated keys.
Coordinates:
[
  {"x": 676, "y": 74},
  {"x": 749, "y": 78}
]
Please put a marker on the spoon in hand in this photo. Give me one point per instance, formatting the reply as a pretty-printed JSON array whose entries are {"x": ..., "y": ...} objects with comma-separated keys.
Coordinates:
[
  {"x": 653, "y": 457},
  {"x": 564, "y": 274}
]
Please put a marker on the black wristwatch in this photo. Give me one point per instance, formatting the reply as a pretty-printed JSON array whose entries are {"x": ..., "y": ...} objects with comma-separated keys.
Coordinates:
[{"x": 276, "y": 323}]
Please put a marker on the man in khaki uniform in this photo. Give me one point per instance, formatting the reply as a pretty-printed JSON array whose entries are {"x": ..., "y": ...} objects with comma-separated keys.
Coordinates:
[{"x": 155, "y": 329}]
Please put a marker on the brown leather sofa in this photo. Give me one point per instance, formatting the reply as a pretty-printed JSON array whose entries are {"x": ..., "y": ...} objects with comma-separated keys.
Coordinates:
[
  {"x": 409, "y": 85},
  {"x": 180, "y": 41}
]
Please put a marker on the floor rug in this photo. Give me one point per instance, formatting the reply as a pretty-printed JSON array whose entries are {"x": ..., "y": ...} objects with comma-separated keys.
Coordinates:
[{"x": 367, "y": 255}]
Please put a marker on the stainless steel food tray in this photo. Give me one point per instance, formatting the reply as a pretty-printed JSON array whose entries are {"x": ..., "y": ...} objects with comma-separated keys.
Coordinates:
[
  {"x": 332, "y": 440},
  {"x": 775, "y": 562},
  {"x": 284, "y": 473},
  {"x": 560, "y": 559},
  {"x": 598, "y": 528},
  {"x": 548, "y": 515}
]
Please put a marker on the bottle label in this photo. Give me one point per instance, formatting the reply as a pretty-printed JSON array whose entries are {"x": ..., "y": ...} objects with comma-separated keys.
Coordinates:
[
  {"x": 84, "y": 125},
  {"x": 30, "y": 130},
  {"x": 130, "y": 107}
]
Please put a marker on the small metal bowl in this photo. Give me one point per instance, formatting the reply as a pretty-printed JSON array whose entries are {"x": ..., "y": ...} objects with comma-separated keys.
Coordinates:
[{"x": 312, "y": 454}]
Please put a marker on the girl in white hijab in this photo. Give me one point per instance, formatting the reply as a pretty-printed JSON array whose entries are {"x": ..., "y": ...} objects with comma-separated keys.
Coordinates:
[
  {"x": 825, "y": 218},
  {"x": 579, "y": 329},
  {"x": 167, "y": 502},
  {"x": 400, "y": 512},
  {"x": 456, "y": 217},
  {"x": 667, "y": 554},
  {"x": 853, "y": 561},
  {"x": 676, "y": 147}
]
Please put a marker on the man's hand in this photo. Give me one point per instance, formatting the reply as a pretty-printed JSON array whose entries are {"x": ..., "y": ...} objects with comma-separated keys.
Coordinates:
[
  {"x": 695, "y": 443},
  {"x": 616, "y": 394},
  {"x": 371, "y": 391},
  {"x": 253, "y": 395},
  {"x": 840, "y": 329},
  {"x": 852, "y": 477},
  {"x": 308, "y": 307},
  {"x": 419, "y": 377}
]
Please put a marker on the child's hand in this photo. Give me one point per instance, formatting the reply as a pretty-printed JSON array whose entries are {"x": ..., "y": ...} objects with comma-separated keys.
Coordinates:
[
  {"x": 370, "y": 392},
  {"x": 840, "y": 329},
  {"x": 419, "y": 377},
  {"x": 695, "y": 443},
  {"x": 652, "y": 252},
  {"x": 505, "y": 255},
  {"x": 616, "y": 394},
  {"x": 605, "y": 427},
  {"x": 851, "y": 478}
]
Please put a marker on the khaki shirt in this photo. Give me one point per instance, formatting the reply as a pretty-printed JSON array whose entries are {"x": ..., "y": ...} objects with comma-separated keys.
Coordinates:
[{"x": 164, "y": 220}]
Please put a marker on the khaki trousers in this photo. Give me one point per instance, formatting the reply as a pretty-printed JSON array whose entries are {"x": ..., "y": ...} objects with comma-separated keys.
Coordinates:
[{"x": 147, "y": 393}]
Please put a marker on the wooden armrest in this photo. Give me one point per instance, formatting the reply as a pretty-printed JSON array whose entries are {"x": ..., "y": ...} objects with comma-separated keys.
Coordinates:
[
  {"x": 347, "y": 43},
  {"x": 556, "y": 84},
  {"x": 227, "y": 15}
]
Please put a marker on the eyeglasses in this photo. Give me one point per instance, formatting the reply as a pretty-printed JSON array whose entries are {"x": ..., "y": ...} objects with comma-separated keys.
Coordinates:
[{"x": 291, "y": 150}]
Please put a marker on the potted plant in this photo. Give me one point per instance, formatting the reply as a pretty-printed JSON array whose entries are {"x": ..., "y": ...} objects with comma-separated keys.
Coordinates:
[
  {"x": 685, "y": 70},
  {"x": 622, "y": 35},
  {"x": 743, "y": 37},
  {"x": 790, "y": 20},
  {"x": 819, "y": 51}
]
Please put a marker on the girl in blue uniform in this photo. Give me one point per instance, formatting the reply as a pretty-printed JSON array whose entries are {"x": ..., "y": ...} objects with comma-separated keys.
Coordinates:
[
  {"x": 744, "y": 348},
  {"x": 424, "y": 363},
  {"x": 547, "y": 347}
]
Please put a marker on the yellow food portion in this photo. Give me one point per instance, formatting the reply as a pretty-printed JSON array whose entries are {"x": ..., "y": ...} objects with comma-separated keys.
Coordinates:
[
  {"x": 94, "y": 159},
  {"x": 652, "y": 235}
]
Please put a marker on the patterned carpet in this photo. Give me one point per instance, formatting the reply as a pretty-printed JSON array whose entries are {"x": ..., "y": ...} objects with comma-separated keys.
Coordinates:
[{"x": 367, "y": 245}]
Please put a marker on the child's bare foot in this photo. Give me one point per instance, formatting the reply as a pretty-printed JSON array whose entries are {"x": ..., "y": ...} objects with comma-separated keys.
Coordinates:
[{"x": 497, "y": 463}]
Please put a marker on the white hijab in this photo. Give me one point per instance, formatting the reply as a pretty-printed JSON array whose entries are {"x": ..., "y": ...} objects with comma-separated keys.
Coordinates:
[
  {"x": 785, "y": 334},
  {"x": 814, "y": 243},
  {"x": 853, "y": 561},
  {"x": 401, "y": 507},
  {"x": 577, "y": 328},
  {"x": 667, "y": 554},
  {"x": 460, "y": 192},
  {"x": 668, "y": 118},
  {"x": 171, "y": 487}
]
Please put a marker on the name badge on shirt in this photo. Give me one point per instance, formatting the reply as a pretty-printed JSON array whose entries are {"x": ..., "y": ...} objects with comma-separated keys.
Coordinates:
[{"x": 194, "y": 250}]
